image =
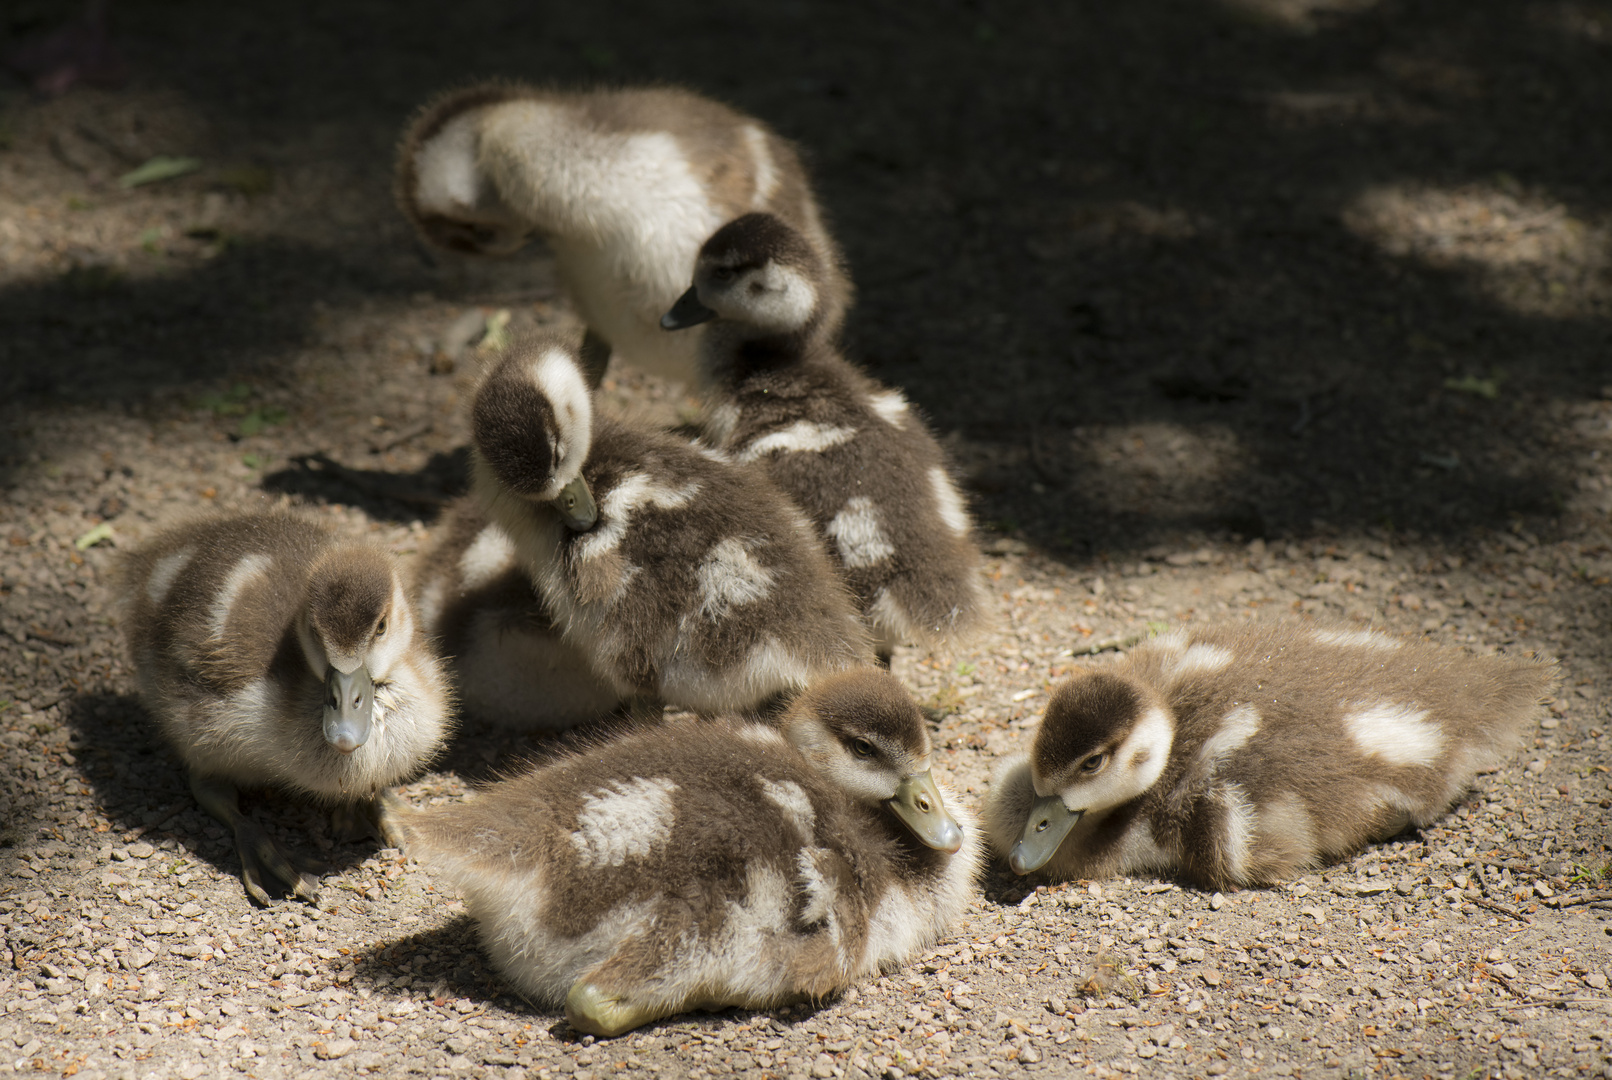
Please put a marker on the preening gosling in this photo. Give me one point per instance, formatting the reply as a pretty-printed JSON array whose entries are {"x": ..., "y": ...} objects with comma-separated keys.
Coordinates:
[
  {"x": 273, "y": 653},
  {"x": 704, "y": 865},
  {"x": 625, "y": 185},
  {"x": 685, "y": 579},
  {"x": 852, "y": 453},
  {"x": 508, "y": 661},
  {"x": 1237, "y": 756}
]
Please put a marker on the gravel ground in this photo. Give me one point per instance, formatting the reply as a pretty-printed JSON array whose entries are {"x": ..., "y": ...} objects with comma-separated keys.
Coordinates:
[{"x": 1304, "y": 310}]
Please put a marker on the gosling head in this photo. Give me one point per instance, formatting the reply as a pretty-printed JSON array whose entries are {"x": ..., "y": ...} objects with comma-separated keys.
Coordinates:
[
  {"x": 1103, "y": 741},
  {"x": 443, "y": 186},
  {"x": 862, "y": 731},
  {"x": 356, "y": 626},
  {"x": 757, "y": 273},
  {"x": 532, "y": 423}
]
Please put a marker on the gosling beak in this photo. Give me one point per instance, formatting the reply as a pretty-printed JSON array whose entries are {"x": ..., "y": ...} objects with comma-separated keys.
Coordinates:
[
  {"x": 687, "y": 312},
  {"x": 576, "y": 506},
  {"x": 918, "y": 804},
  {"x": 1050, "y": 821},
  {"x": 349, "y": 703}
]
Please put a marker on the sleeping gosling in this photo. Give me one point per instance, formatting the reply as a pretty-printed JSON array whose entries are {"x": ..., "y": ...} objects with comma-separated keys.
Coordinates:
[
  {"x": 1239, "y": 756},
  {"x": 704, "y": 865}
]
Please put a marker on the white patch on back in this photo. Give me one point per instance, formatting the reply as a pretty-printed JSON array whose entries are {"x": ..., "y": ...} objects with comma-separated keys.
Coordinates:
[
  {"x": 948, "y": 502},
  {"x": 890, "y": 407},
  {"x": 1239, "y": 829},
  {"x": 771, "y": 667},
  {"x": 730, "y": 578},
  {"x": 242, "y": 574},
  {"x": 802, "y": 436},
  {"x": 1236, "y": 728},
  {"x": 1201, "y": 658},
  {"x": 628, "y": 819},
  {"x": 720, "y": 420},
  {"x": 792, "y": 799},
  {"x": 491, "y": 553},
  {"x": 820, "y": 896},
  {"x": 166, "y": 569},
  {"x": 617, "y": 506},
  {"x": 858, "y": 536},
  {"x": 447, "y": 181},
  {"x": 1357, "y": 639},
  {"x": 1400, "y": 734},
  {"x": 766, "y": 171}
]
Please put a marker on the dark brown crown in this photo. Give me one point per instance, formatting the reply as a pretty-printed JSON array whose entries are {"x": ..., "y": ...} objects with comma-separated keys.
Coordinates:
[
  {"x": 513, "y": 426},
  {"x": 1087, "y": 713},
  {"x": 757, "y": 239},
  {"x": 349, "y": 590},
  {"x": 867, "y": 702}
]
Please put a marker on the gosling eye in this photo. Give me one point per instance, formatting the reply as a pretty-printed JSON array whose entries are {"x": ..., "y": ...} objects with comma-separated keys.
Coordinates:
[
  {"x": 380, "y": 627},
  {"x": 862, "y": 748},
  {"x": 724, "y": 273},
  {"x": 1093, "y": 763}
]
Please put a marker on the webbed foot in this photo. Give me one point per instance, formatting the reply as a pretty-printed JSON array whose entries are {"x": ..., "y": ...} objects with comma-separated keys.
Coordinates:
[
  {"x": 391, "y": 815},
  {"x": 593, "y": 1011},
  {"x": 355, "y": 821},
  {"x": 263, "y": 862}
]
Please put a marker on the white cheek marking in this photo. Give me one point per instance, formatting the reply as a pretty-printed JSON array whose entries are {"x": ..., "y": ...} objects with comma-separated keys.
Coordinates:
[
  {"x": 490, "y": 554},
  {"x": 240, "y": 576},
  {"x": 792, "y": 799},
  {"x": 1201, "y": 658},
  {"x": 1121, "y": 781},
  {"x": 1236, "y": 728},
  {"x": 766, "y": 171},
  {"x": 730, "y": 578},
  {"x": 1399, "y": 734},
  {"x": 802, "y": 436},
  {"x": 388, "y": 649},
  {"x": 164, "y": 572},
  {"x": 617, "y": 506},
  {"x": 890, "y": 407},
  {"x": 787, "y": 302},
  {"x": 1239, "y": 829},
  {"x": 858, "y": 536},
  {"x": 948, "y": 501},
  {"x": 447, "y": 180},
  {"x": 628, "y": 819},
  {"x": 1358, "y": 639},
  {"x": 556, "y": 376}
]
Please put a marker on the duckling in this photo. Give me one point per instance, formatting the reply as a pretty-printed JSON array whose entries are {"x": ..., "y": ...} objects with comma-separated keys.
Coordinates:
[
  {"x": 270, "y": 652},
  {"x": 852, "y": 453},
  {"x": 710, "y": 865},
  {"x": 1237, "y": 756},
  {"x": 683, "y": 578},
  {"x": 509, "y": 662},
  {"x": 624, "y": 184}
]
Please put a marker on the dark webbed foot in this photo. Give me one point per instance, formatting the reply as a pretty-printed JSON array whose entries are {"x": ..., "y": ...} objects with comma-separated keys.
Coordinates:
[{"x": 264, "y": 864}]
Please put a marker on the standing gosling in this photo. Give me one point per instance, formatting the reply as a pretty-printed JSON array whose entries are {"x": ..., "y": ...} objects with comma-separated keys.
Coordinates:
[
  {"x": 709, "y": 865},
  {"x": 625, "y": 185},
  {"x": 683, "y": 578},
  {"x": 508, "y": 661},
  {"x": 272, "y": 653},
  {"x": 851, "y": 453},
  {"x": 1237, "y": 756}
]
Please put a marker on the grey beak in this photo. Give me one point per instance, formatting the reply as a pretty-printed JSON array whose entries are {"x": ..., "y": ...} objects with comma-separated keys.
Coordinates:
[
  {"x": 1050, "y": 821},
  {"x": 918, "y": 804},
  {"x": 687, "y": 312},
  {"x": 576, "y": 506},
  {"x": 349, "y": 705}
]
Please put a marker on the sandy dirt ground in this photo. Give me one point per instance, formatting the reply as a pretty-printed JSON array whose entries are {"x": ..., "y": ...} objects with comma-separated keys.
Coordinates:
[{"x": 1226, "y": 310}]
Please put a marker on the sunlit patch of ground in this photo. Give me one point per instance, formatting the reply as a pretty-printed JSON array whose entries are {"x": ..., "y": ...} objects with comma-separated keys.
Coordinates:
[{"x": 1530, "y": 252}]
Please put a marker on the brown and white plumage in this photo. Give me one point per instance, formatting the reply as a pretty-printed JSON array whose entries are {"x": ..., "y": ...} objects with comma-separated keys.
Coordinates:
[
  {"x": 1243, "y": 755},
  {"x": 625, "y": 184},
  {"x": 509, "y": 663},
  {"x": 712, "y": 864},
  {"x": 273, "y": 654},
  {"x": 683, "y": 578},
  {"x": 852, "y": 453}
]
